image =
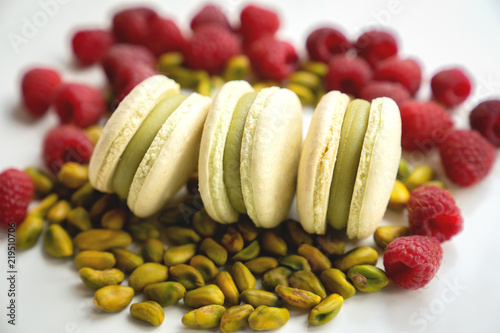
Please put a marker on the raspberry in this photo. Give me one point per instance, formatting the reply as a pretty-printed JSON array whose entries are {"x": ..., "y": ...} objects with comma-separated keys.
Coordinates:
[
  {"x": 324, "y": 43},
  {"x": 132, "y": 25},
  {"x": 79, "y": 104},
  {"x": 393, "y": 90},
  {"x": 122, "y": 55},
  {"x": 375, "y": 46},
  {"x": 16, "y": 191},
  {"x": 348, "y": 74},
  {"x": 38, "y": 87},
  {"x": 164, "y": 36},
  {"x": 272, "y": 59},
  {"x": 412, "y": 261},
  {"x": 128, "y": 77},
  {"x": 485, "y": 118},
  {"x": 433, "y": 212},
  {"x": 257, "y": 22},
  {"x": 405, "y": 71},
  {"x": 424, "y": 124},
  {"x": 450, "y": 87},
  {"x": 467, "y": 157},
  {"x": 210, "y": 14},
  {"x": 90, "y": 45},
  {"x": 66, "y": 143},
  {"x": 210, "y": 48}
]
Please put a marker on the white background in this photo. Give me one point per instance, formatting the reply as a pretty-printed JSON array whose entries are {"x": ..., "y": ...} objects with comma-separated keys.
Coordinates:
[{"x": 464, "y": 296}]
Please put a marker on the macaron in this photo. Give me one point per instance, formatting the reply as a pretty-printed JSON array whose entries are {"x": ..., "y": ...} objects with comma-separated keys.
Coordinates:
[
  {"x": 150, "y": 145},
  {"x": 249, "y": 154},
  {"x": 348, "y": 164}
]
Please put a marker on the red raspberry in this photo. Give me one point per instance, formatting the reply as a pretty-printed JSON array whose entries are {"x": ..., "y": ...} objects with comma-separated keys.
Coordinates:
[
  {"x": 433, "y": 212},
  {"x": 66, "y": 143},
  {"x": 324, "y": 43},
  {"x": 210, "y": 14},
  {"x": 257, "y": 22},
  {"x": 164, "y": 36},
  {"x": 450, "y": 87},
  {"x": 375, "y": 46},
  {"x": 122, "y": 55},
  {"x": 210, "y": 48},
  {"x": 412, "y": 261},
  {"x": 38, "y": 86},
  {"x": 79, "y": 104},
  {"x": 485, "y": 118},
  {"x": 90, "y": 45},
  {"x": 16, "y": 191},
  {"x": 132, "y": 25},
  {"x": 348, "y": 74},
  {"x": 128, "y": 77},
  {"x": 272, "y": 59},
  {"x": 424, "y": 124},
  {"x": 467, "y": 157},
  {"x": 405, "y": 71},
  {"x": 393, "y": 90}
]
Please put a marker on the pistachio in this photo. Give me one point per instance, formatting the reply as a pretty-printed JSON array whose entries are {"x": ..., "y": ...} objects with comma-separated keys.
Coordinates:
[
  {"x": 275, "y": 277},
  {"x": 203, "y": 224},
  {"x": 208, "y": 316},
  {"x": 102, "y": 205},
  {"x": 386, "y": 234},
  {"x": 205, "y": 266},
  {"x": 170, "y": 216},
  {"x": 267, "y": 318},
  {"x": 181, "y": 254},
  {"x": 247, "y": 229},
  {"x": 84, "y": 196},
  {"x": 140, "y": 231},
  {"x": 232, "y": 240},
  {"x": 403, "y": 170},
  {"x": 257, "y": 297},
  {"x": 115, "y": 219},
  {"x": 208, "y": 86},
  {"x": 250, "y": 252},
  {"x": 29, "y": 231},
  {"x": 169, "y": 60},
  {"x": 73, "y": 175},
  {"x": 436, "y": 183},
  {"x": 262, "y": 264},
  {"x": 420, "y": 175},
  {"x": 242, "y": 276},
  {"x": 180, "y": 235},
  {"x": 152, "y": 250},
  {"x": 148, "y": 311},
  {"x": 187, "y": 78},
  {"x": 206, "y": 295},
  {"x": 146, "y": 274},
  {"x": 305, "y": 79},
  {"x": 79, "y": 218},
  {"x": 127, "y": 260},
  {"x": 45, "y": 205},
  {"x": 399, "y": 196},
  {"x": 57, "y": 242},
  {"x": 225, "y": 282},
  {"x": 235, "y": 318},
  {"x": 94, "y": 259},
  {"x": 298, "y": 297},
  {"x": 101, "y": 239},
  {"x": 59, "y": 212},
  {"x": 368, "y": 278},
  {"x": 42, "y": 183},
  {"x": 357, "y": 256},
  {"x": 326, "y": 310},
  {"x": 335, "y": 281},
  {"x": 308, "y": 281},
  {"x": 305, "y": 94},
  {"x": 165, "y": 293},
  {"x": 317, "y": 67},
  {"x": 296, "y": 234},
  {"x": 113, "y": 298},
  {"x": 186, "y": 275},
  {"x": 295, "y": 262},
  {"x": 331, "y": 246},
  {"x": 96, "y": 279},
  {"x": 317, "y": 260},
  {"x": 93, "y": 132},
  {"x": 273, "y": 244},
  {"x": 237, "y": 68},
  {"x": 258, "y": 86},
  {"x": 214, "y": 251}
]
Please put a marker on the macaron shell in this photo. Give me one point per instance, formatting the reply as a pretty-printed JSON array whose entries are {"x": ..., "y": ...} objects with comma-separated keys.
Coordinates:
[
  {"x": 318, "y": 159},
  {"x": 270, "y": 154},
  {"x": 171, "y": 158},
  {"x": 377, "y": 168},
  {"x": 122, "y": 125},
  {"x": 210, "y": 166}
]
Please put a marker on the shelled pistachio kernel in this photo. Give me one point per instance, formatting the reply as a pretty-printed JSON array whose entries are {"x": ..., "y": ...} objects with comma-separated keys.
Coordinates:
[
  {"x": 235, "y": 318},
  {"x": 260, "y": 265},
  {"x": 420, "y": 175},
  {"x": 94, "y": 259},
  {"x": 250, "y": 252},
  {"x": 169, "y": 60},
  {"x": 94, "y": 133},
  {"x": 305, "y": 79},
  {"x": 368, "y": 278},
  {"x": 237, "y": 68},
  {"x": 330, "y": 246},
  {"x": 164, "y": 293},
  {"x": 186, "y": 275},
  {"x": 113, "y": 298},
  {"x": 258, "y": 297},
  {"x": 29, "y": 232},
  {"x": 57, "y": 242},
  {"x": 232, "y": 240},
  {"x": 79, "y": 218},
  {"x": 58, "y": 213},
  {"x": 96, "y": 279},
  {"x": 296, "y": 235},
  {"x": 42, "y": 183},
  {"x": 317, "y": 260},
  {"x": 115, "y": 219},
  {"x": 386, "y": 234},
  {"x": 307, "y": 281},
  {"x": 298, "y": 297},
  {"x": 206, "y": 295},
  {"x": 140, "y": 231},
  {"x": 317, "y": 67},
  {"x": 335, "y": 281},
  {"x": 101, "y": 239},
  {"x": 127, "y": 260},
  {"x": 205, "y": 317},
  {"x": 403, "y": 170},
  {"x": 399, "y": 196},
  {"x": 243, "y": 278},
  {"x": 247, "y": 229},
  {"x": 181, "y": 235},
  {"x": 276, "y": 276},
  {"x": 326, "y": 310},
  {"x": 205, "y": 266},
  {"x": 73, "y": 175},
  {"x": 357, "y": 256},
  {"x": 45, "y": 205},
  {"x": 152, "y": 250},
  {"x": 273, "y": 244},
  {"x": 84, "y": 196},
  {"x": 181, "y": 254},
  {"x": 148, "y": 311},
  {"x": 203, "y": 224},
  {"x": 267, "y": 318},
  {"x": 295, "y": 262},
  {"x": 146, "y": 274},
  {"x": 305, "y": 94},
  {"x": 226, "y": 284},
  {"x": 214, "y": 251}
]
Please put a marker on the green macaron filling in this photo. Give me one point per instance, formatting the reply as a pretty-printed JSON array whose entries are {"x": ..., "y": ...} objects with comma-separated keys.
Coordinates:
[
  {"x": 142, "y": 139},
  {"x": 232, "y": 152},
  {"x": 346, "y": 167}
]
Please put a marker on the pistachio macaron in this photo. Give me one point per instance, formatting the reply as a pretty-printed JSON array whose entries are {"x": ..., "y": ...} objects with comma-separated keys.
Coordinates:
[{"x": 348, "y": 164}]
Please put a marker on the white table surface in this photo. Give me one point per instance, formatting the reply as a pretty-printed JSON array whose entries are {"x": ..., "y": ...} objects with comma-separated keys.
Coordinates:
[{"x": 464, "y": 296}]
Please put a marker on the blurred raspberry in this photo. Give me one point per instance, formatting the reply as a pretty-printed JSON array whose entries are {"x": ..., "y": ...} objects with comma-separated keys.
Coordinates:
[
  {"x": 375, "y": 46},
  {"x": 272, "y": 59},
  {"x": 132, "y": 25},
  {"x": 467, "y": 157},
  {"x": 450, "y": 87},
  {"x": 405, "y": 71},
  {"x": 348, "y": 74},
  {"x": 257, "y": 22},
  {"x": 392, "y": 90},
  {"x": 210, "y": 14},
  {"x": 38, "y": 87},
  {"x": 121, "y": 55},
  {"x": 89, "y": 46},
  {"x": 16, "y": 191},
  {"x": 324, "y": 43},
  {"x": 433, "y": 212},
  {"x": 485, "y": 118},
  {"x": 164, "y": 36},
  {"x": 424, "y": 124},
  {"x": 128, "y": 77}
]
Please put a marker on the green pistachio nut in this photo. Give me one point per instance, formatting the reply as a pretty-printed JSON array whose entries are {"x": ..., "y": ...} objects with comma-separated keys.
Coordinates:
[
  {"x": 84, "y": 196},
  {"x": 296, "y": 235},
  {"x": 273, "y": 244},
  {"x": 257, "y": 297},
  {"x": 102, "y": 239},
  {"x": 115, "y": 218},
  {"x": 79, "y": 218},
  {"x": 180, "y": 235},
  {"x": 404, "y": 170},
  {"x": 73, "y": 175},
  {"x": 175, "y": 255},
  {"x": 42, "y": 183},
  {"x": 206, "y": 317},
  {"x": 232, "y": 240},
  {"x": 330, "y": 246},
  {"x": 276, "y": 276},
  {"x": 102, "y": 205},
  {"x": 237, "y": 68},
  {"x": 335, "y": 281},
  {"x": 295, "y": 262},
  {"x": 147, "y": 274},
  {"x": 248, "y": 253},
  {"x": 326, "y": 310},
  {"x": 29, "y": 232},
  {"x": 169, "y": 60},
  {"x": 306, "y": 79},
  {"x": 399, "y": 196},
  {"x": 58, "y": 213},
  {"x": 94, "y": 259},
  {"x": 420, "y": 175},
  {"x": 261, "y": 265},
  {"x": 96, "y": 279},
  {"x": 94, "y": 133},
  {"x": 226, "y": 284},
  {"x": 170, "y": 216},
  {"x": 148, "y": 311},
  {"x": 243, "y": 278},
  {"x": 305, "y": 94},
  {"x": 205, "y": 266},
  {"x": 386, "y": 234},
  {"x": 45, "y": 205},
  {"x": 164, "y": 293},
  {"x": 247, "y": 229},
  {"x": 57, "y": 242},
  {"x": 308, "y": 281},
  {"x": 368, "y": 278},
  {"x": 206, "y": 295},
  {"x": 216, "y": 252},
  {"x": 127, "y": 260},
  {"x": 204, "y": 224},
  {"x": 140, "y": 231},
  {"x": 113, "y": 298},
  {"x": 316, "y": 67},
  {"x": 267, "y": 318},
  {"x": 235, "y": 318},
  {"x": 298, "y": 297},
  {"x": 187, "y": 275},
  {"x": 317, "y": 260},
  {"x": 152, "y": 250},
  {"x": 357, "y": 256}
]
